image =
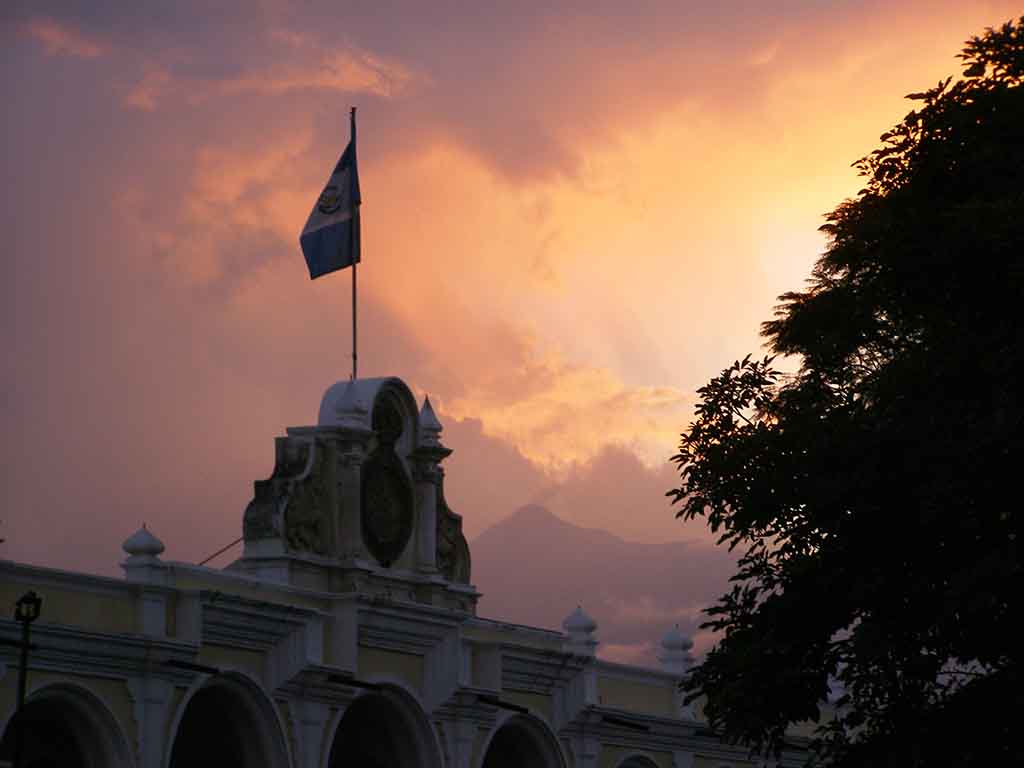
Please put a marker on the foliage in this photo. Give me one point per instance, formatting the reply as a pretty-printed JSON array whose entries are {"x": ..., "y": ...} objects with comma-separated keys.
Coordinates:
[{"x": 872, "y": 494}]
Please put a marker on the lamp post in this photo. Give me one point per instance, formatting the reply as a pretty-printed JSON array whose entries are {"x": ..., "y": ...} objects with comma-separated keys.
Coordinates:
[{"x": 26, "y": 610}]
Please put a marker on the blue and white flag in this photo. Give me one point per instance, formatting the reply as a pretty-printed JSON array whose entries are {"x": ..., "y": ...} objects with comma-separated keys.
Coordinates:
[{"x": 330, "y": 239}]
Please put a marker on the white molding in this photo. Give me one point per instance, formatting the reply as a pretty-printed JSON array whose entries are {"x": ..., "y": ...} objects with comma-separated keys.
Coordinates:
[{"x": 69, "y": 650}]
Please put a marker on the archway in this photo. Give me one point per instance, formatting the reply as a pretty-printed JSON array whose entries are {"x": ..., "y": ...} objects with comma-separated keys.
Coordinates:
[
  {"x": 229, "y": 723},
  {"x": 522, "y": 742},
  {"x": 638, "y": 761},
  {"x": 381, "y": 729},
  {"x": 64, "y": 726}
]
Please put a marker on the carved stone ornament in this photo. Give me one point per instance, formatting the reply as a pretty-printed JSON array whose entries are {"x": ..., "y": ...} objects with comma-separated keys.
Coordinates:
[
  {"x": 262, "y": 518},
  {"x": 306, "y": 511},
  {"x": 452, "y": 549},
  {"x": 294, "y": 503},
  {"x": 387, "y": 503}
]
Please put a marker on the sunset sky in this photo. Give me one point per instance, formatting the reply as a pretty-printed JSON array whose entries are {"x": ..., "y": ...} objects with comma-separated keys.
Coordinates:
[{"x": 574, "y": 214}]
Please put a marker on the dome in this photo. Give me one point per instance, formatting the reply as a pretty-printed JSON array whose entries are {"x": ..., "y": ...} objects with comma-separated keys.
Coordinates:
[
  {"x": 142, "y": 543},
  {"x": 580, "y": 630},
  {"x": 579, "y": 622},
  {"x": 675, "y": 655},
  {"x": 674, "y": 640},
  {"x": 349, "y": 404}
]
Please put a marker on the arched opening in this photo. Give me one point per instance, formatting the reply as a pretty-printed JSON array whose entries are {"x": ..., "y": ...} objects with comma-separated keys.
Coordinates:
[
  {"x": 381, "y": 730},
  {"x": 521, "y": 742},
  {"x": 230, "y": 724},
  {"x": 63, "y": 727},
  {"x": 638, "y": 761}
]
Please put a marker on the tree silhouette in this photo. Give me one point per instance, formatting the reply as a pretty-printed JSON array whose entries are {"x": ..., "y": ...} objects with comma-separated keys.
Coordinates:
[{"x": 873, "y": 494}]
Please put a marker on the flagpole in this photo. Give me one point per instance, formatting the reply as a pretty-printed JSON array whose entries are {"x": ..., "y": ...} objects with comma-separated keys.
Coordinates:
[
  {"x": 355, "y": 355},
  {"x": 355, "y": 264}
]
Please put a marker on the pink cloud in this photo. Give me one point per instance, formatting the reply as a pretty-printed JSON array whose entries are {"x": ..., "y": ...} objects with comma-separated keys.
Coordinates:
[
  {"x": 627, "y": 653},
  {"x": 147, "y": 92},
  {"x": 62, "y": 39},
  {"x": 342, "y": 71}
]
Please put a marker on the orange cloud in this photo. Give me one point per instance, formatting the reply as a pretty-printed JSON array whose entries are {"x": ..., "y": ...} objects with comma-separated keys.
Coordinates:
[
  {"x": 555, "y": 410},
  {"x": 562, "y": 241},
  {"x": 572, "y": 304}
]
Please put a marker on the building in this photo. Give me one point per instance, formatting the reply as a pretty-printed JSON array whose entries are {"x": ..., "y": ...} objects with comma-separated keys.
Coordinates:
[{"x": 345, "y": 635}]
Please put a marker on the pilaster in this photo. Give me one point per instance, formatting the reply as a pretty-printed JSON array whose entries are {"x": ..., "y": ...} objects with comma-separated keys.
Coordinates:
[
  {"x": 151, "y": 698},
  {"x": 459, "y": 737},
  {"x": 309, "y": 721},
  {"x": 586, "y": 751},
  {"x": 426, "y": 476},
  {"x": 348, "y": 527}
]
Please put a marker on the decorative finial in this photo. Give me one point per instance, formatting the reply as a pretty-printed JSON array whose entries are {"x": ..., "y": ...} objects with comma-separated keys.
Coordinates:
[
  {"x": 143, "y": 564},
  {"x": 430, "y": 427},
  {"x": 142, "y": 546},
  {"x": 675, "y": 652},
  {"x": 580, "y": 629}
]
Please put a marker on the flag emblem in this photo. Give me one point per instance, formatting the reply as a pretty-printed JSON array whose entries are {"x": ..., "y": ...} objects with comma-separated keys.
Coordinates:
[{"x": 330, "y": 200}]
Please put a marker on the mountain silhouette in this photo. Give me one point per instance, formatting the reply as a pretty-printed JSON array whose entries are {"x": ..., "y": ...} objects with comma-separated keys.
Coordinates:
[{"x": 534, "y": 568}]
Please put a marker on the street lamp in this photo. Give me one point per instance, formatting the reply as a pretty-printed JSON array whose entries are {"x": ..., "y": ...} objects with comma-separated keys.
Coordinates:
[{"x": 26, "y": 610}]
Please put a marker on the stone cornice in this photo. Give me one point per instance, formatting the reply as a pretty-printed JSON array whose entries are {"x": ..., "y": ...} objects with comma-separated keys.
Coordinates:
[
  {"x": 43, "y": 576},
  {"x": 653, "y": 731},
  {"x": 618, "y": 671},
  {"x": 245, "y": 623},
  {"x": 75, "y": 651}
]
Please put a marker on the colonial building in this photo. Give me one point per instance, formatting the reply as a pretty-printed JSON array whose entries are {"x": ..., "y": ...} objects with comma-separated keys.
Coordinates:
[{"x": 347, "y": 634}]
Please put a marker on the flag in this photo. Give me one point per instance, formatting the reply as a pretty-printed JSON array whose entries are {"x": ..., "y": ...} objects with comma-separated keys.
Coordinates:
[{"x": 330, "y": 239}]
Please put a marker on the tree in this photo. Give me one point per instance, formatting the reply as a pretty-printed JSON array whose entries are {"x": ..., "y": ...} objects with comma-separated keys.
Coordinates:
[{"x": 873, "y": 494}]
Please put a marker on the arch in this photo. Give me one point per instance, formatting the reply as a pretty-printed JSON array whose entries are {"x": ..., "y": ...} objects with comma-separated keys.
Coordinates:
[
  {"x": 227, "y": 720},
  {"x": 522, "y": 741},
  {"x": 345, "y": 405},
  {"x": 383, "y": 727},
  {"x": 637, "y": 760},
  {"x": 67, "y": 726}
]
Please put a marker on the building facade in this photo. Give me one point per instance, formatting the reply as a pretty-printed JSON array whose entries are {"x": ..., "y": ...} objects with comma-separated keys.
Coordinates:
[{"x": 346, "y": 634}]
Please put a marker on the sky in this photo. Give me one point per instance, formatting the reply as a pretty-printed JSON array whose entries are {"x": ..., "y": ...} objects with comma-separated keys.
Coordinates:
[{"x": 574, "y": 215}]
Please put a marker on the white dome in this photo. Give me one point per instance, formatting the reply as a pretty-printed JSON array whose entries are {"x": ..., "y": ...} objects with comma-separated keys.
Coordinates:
[
  {"x": 674, "y": 640},
  {"x": 345, "y": 403},
  {"x": 142, "y": 543},
  {"x": 675, "y": 652},
  {"x": 579, "y": 622},
  {"x": 349, "y": 404}
]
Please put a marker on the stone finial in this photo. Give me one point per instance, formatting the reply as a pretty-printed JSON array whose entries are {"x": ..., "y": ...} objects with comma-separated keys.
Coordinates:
[
  {"x": 143, "y": 547},
  {"x": 675, "y": 652},
  {"x": 430, "y": 427},
  {"x": 580, "y": 629},
  {"x": 143, "y": 564}
]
